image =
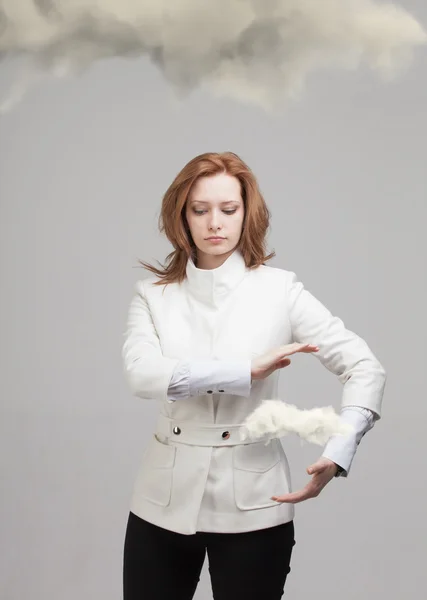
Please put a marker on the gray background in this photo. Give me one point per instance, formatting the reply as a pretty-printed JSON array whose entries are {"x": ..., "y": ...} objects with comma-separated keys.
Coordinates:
[{"x": 83, "y": 166}]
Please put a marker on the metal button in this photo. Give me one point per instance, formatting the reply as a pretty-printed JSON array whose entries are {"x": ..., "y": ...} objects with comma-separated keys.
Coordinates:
[
  {"x": 176, "y": 430},
  {"x": 225, "y": 435}
]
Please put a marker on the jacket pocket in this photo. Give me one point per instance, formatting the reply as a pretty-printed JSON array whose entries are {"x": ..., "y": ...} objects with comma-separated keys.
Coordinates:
[
  {"x": 154, "y": 481},
  {"x": 259, "y": 473}
]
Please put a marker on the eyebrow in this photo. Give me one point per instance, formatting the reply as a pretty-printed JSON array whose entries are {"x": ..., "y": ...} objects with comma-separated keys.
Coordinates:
[{"x": 207, "y": 202}]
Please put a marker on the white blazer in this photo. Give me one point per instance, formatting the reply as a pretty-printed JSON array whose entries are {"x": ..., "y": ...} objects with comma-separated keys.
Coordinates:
[{"x": 228, "y": 314}]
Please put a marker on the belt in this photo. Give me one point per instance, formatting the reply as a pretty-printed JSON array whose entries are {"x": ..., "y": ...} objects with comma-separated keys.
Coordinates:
[{"x": 201, "y": 434}]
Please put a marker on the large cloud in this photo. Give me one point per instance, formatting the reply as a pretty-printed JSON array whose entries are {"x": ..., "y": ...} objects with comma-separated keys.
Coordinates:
[{"x": 258, "y": 51}]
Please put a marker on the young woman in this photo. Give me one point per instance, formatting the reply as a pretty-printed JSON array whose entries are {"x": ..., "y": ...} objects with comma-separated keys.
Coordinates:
[{"x": 207, "y": 336}]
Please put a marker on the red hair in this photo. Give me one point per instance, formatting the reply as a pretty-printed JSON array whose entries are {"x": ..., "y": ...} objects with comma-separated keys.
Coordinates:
[{"x": 173, "y": 222}]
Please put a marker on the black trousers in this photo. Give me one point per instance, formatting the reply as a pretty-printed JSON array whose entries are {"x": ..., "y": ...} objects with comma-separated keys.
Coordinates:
[{"x": 163, "y": 565}]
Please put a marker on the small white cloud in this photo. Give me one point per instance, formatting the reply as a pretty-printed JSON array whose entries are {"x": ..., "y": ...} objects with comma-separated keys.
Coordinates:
[{"x": 274, "y": 418}]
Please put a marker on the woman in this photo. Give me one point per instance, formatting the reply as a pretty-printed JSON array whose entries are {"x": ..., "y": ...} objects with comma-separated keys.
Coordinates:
[{"x": 206, "y": 337}]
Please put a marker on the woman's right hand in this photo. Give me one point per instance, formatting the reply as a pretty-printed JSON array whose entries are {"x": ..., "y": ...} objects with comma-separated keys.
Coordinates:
[{"x": 262, "y": 366}]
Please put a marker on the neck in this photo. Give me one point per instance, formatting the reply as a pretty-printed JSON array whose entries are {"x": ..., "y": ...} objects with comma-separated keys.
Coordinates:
[{"x": 209, "y": 261}]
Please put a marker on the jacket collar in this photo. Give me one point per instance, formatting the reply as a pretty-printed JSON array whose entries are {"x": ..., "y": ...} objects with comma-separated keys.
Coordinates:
[{"x": 211, "y": 286}]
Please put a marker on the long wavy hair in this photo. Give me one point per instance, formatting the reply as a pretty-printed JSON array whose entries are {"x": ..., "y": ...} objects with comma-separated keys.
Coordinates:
[{"x": 173, "y": 222}]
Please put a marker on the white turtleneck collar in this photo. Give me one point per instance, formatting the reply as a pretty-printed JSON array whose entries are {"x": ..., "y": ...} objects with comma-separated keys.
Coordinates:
[{"x": 211, "y": 286}]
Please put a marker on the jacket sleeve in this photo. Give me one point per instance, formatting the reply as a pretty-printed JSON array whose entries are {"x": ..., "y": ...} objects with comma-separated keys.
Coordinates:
[
  {"x": 147, "y": 371},
  {"x": 341, "y": 351}
]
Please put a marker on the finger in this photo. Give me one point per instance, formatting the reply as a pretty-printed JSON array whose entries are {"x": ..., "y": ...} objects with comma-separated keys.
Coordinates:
[
  {"x": 294, "y": 348},
  {"x": 310, "y": 348},
  {"x": 309, "y": 491},
  {"x": 292, "y": 498},
  {"x": 316, "y": 468},
  {"x": 303, "y": 345},
  {"x": 284, "y": 362}
]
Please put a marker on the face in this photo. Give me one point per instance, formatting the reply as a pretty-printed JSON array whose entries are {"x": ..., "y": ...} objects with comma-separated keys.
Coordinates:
[{"x": 215, "y": 213}]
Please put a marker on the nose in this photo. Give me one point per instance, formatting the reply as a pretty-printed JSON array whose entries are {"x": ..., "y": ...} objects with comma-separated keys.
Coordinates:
[{"x": 215, "y": 221}]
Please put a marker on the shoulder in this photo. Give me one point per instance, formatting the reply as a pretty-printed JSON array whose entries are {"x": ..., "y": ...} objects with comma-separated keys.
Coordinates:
[
  {"x": 275, "y": 282},
  {"x": 149, "y": 287},
  {"x": 276, "y": 275}
]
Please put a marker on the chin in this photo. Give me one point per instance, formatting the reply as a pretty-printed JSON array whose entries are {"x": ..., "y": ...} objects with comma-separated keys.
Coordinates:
[{"x": 218, "y": 250}]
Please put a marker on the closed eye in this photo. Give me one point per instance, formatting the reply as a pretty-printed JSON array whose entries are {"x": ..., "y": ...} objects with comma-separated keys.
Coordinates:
[{"x": 230, "y": 211}]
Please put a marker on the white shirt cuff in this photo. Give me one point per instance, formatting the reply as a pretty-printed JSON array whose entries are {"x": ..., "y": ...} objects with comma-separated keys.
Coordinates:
[
  {"x": 179, "y": 385},
  {"x": 205, "y": 377},
  {"x": 341, "y": 449}
]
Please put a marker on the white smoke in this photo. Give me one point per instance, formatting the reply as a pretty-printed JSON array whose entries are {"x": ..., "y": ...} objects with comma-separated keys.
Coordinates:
[
  {"x": 255, "y": 51},
  {"x": 275, "y": 419}
]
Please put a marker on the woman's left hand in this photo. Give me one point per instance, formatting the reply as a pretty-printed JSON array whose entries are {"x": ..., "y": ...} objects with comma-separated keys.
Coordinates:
[{"x": 322, "y": 471}]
